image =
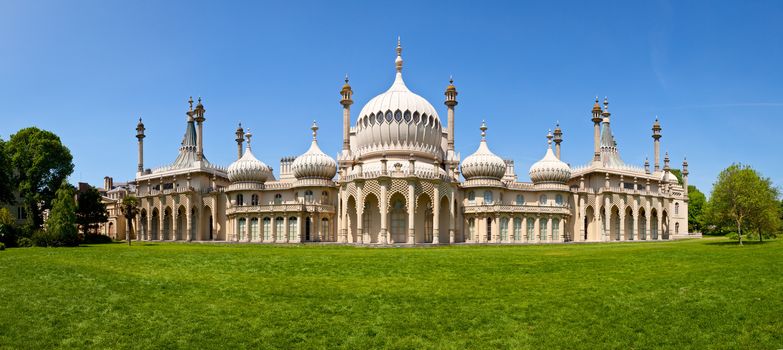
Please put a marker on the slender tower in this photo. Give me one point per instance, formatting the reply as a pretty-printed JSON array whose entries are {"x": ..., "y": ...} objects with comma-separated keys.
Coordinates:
[
  {"x": 140, "y": 136},
  {"x": 240, "y": 132},
  {"x": 646, "y": 165},
  {"x": 198, "y": 116},
  {"x": 451, "y": 102},
  {"x": 656, "y": 129},
  {"x": 685, "y": 173},
  {"x": 596, "y": 130},
  {"x": 346, "y": 101},
  {"x": 558, "y": 139}
]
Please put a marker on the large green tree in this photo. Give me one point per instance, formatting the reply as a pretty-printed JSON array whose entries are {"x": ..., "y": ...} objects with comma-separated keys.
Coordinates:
[
  {"x": 696, "y": 202},
  {"x": 6, "y": 186},
  {"x": 741, "y": 198},
  {"x": 90, "y": 210},
  {"x": 61, "y": 224},
  {"x": 130, "y": 208},
  {"x": 39, "y": 163}
]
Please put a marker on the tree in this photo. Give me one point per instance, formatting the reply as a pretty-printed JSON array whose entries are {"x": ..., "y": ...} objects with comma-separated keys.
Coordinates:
[
  {"x": 129, "y": 208},
  {"x": 696, "y": 202},
  {"x": 766, "y": 219},
  {"x": 90, "y": 210},
  {"x": 6, "y": 187},
  {"x": 740, "y": 198},
  {"x": 61, "y": 224},
  {"x": 39, "y": 163},
  {"x": 678, "y": 174}
]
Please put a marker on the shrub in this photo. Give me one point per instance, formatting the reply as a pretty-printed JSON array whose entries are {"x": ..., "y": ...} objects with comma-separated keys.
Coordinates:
[
  {"x": 2, "y": 246},
  {"x": 96, "y": 238},
  {"x": 8, "y": 235},
  {"x": 24, "y": 242}
]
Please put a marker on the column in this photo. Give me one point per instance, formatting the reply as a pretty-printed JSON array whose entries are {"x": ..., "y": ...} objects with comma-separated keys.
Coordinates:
[
  {"x": 496, "y": 229},
  {"x": 660, "y": 227},
  {"x": 549, "y": 229},
  {"x": 622, "y": 227},
  {"x": 647, "y": 226},
  {"x": 174, "y": 226},
  {"x": 411, "y": 214},
  {"x": 188, "y": 223},
  {"x": 436, "y": 215},
  {"x": 537, "y": 230},
  {"x": 561, "y": 228},
  {"x": 273, "y": 225},
  {"x": 286, "y": 234},
  {"x": 247, "y": 229},
  {"x": 213, "y": 211},
  {"x": 359, "y": 214},
  {"x": 382, "y": 236},
  {"x": 300, "y": 226},
  {"x": 343, "y": 235},
  {"x": 452, "y": 218}
]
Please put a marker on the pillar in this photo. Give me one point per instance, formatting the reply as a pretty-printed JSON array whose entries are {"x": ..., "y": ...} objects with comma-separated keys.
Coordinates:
[
  {"x": 596, "y": 130},
  {"x": 452, "y": 217},
  {"x": 657, "y": 143},
  {"x": 382, "y": 236},
  {"x": 346, "y": 102},
  {"x": 140, "y": 136},
  {"x": 436, "y": 215},
  {"x": 286, "y": 234},
  {"x": 359, "y": 214},
  {"x": 451, "y": 102},
  {"x": 411, "y": 214}
]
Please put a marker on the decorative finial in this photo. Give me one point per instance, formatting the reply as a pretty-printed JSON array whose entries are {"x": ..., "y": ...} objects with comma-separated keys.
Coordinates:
[
  {"x": 606, "y": 104},
  {"x": 346, "y": 78},
  {"x": 398, "y": 61},
  {"x": 549, "y": 138},
  {"x": 248, "y": 135},
  {"x": 451, "y": 79},
  {"x": 190, "y": 102},
  {"x": 314, "y": 128},
  {"x": 483, "y": 129}
]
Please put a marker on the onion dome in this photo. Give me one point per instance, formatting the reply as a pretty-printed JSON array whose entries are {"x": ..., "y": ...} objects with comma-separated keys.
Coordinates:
[
  {"x": 549, "y": 169},
  {"x": 398, "y": 120},
  {"x": 248, "y": 168},
  {"x": 314, "y": 164},
  {"x": 483, "y": 164}
]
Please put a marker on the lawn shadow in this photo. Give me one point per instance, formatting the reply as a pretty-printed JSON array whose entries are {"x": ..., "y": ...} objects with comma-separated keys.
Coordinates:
[{"x": 744, "y": 242}]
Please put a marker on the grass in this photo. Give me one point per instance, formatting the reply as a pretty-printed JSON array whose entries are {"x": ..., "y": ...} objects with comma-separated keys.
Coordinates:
[{"x": 687, "y": 294}]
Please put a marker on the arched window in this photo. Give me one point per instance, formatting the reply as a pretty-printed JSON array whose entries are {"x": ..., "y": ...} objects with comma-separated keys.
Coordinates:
[
  {"x": 372, "y": 118},
  {"x": 503, "y": 229},
  {"x": 388, "y": 116},
  {"x": 555, "y": 229},
  {"x": 279, "y": 227},
  {"x": 559, "y": 199},
  {"x": 379, "y": 117},
  {"x": 542, "y": 229},
  {"x": 531, "y": 226},
  {"x": 254, "y": 234},
  {"x": 471, "y": 197},
  {"x": 254, "y": 199},
  {"x": 416, "y": 117},
  {"x": 325, "y": 197},
  {"x": 278, "y": 198},
  {"x": 542, "y": 200},
  {"x": 471, "y": 228},
  {"x": 308, "y": 196},
  {"x": 241, "y": 229},
  {"x": 676, "y": 208},
  {"x": 407, "y": 116},
  {"x": 398, "y": 222},
  {"x": 487, "y": 197},
  {"x": 489, "y": 229},
  {"x": 267, "y": 229},
  {"x": 398, "y": 116},
  {"x": 240, "y": 200},
  {"x": 520, "y": 199},
  {"x": 292, "y": 228},
  {"x": 517, "y": 229},
  {"x": 677, "y": 228},
  {"x": 325, "y": 230}
]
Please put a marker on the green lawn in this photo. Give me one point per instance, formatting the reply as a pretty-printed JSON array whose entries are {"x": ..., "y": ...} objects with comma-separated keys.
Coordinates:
[{"x": 688, "y": 294}]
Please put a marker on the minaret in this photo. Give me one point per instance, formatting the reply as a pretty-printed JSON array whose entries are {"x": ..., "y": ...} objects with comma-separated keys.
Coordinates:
[
  {"x": 656, "y": 129},
  {"x": 198, "y": 116},
  {"x": 646, "y": 165},
  {"x": 451, "y": 102},
  {"x": 140, "y": 136},
  {"x": 558, "y": 139},
  {"x": 240, "y": 132},
  {"x": 346, "y": 101},
  {"x": 596, "y": 130},
  {"x": 666, "y": 162},
  {"x": 685, "y": 173}
]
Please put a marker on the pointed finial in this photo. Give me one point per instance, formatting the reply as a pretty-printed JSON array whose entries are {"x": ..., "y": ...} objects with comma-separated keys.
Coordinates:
[
  {"x": 451, "y": 79},
  {"x": 190, "y": 102},
  {"x": 549, "y": 137},
  {"x": 314, "y": 128},
  {"x": 248, "y": 135},
  {"x": 398, "y": 61},
  {"x": 346, "y": 78},
  {"x": 606, "y": 104},
  {"x": 483, "y": 129}
]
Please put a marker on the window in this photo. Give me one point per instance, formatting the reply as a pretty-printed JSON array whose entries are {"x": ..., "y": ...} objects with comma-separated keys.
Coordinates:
[
  {"x": 542, "y": 229},
  {"x": 292, "y": 229},
  {"x": 240, "y": 200},
  {"x": 471, "y": 228},
  {"x": 254, "y": 229},
  {"x": 416, "y": 117},
  {"x": 279, "y": 227},
  {"x": 325, "y": 197},
  {"x": 325, "y": 230},
  {"x": 398, "y": 222},
  {"x": 241, "y": 229},
  {"x": 372, "y": 118},
  {"x": 254, "y": 199},
  {"x": 398, "y": 116},
  {"x": 559, "y": 199},
  {"x": 487, "y": 197},
  {"x": 407, "y": 116},
  {"x": 267, "y": 229},
  {"x": 520, "y": 199},
  {"x": 489, "y": 229},
  {"x": 677, "y": 228},
  {"x": 503, "y": 229},
  {"x": 676, "y": 208},
  {"x": 542, "y": 200},
  {"x": 278, "y": 198},
  {"x": 555, "y": 229},
  {"x": 379, "y": 117},
  {"x": 471, "y": 197},
  {"x": 517, "y": 229},
  {"x": 388, "y": 116},
  {"x": 531, "y": 226},
  {"x": 308, "y": 196}
]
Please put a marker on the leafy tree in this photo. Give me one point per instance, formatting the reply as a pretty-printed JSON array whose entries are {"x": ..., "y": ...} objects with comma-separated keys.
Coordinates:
[
  {"x": 39, "y": 163},
  {"x": 741, "y": 198},
  {"x": 7, "y": 228},
  {"x": 61, "y": 224},
  {"x": 129, "y": 208},
  {"x": 678, "y": 174},
  {"x": 696, "y": 202},
  {"x": 90, "y": 210},
  {"x": 6, "y": 187},
  {"x": 766, "y": 220}
]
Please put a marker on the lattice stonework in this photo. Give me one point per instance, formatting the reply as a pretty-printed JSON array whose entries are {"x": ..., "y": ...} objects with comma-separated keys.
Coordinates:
[
  {"x": 351, "y": 189},
  {"x": 373, "y": 187},
  {"x": 397, "y": 186},
  {"x": 425, "y": 188}
]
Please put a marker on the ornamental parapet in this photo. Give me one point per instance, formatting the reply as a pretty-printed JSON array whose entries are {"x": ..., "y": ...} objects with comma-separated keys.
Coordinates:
[
  {"x": 282, "y": 208},
  {"x": 516, "y": 209},
  {"x": 314, "y": 183},
  {"x": 424, "y": 175}
]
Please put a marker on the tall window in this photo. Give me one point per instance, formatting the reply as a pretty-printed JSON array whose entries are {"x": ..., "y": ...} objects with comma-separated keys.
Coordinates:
[
  {"x": 398, "y": 222},
  {"x": 520, "y": 199},
  {"x": 489, "y": 229},
  {"x": 254, "y": 229},
  {"x": 254, "y": 199},
  {"x": 559, "y": 199},
  {"x": 471, "y": 197},
  {"x": 308, "y": 196},
  {"x": 517, "y": 229},
  {"x": 472, "y": 228},
  {"x": 531, "y": 226},
  {"x": 676, "y": 208},
  {"x": 654, "y": 227},
  {"x": 280, "y": 227},
  {"x": 267, "y": 229},
  {"x": 240, "y": 200},
  {"x": 325, "y": 197},
  {"x": 325, "y": 230},
  {"x": 241, "y": 229},
  {"x": 487, "y": 197},
  {"x": 555, "y": 229},
  {"x": 542, "y": 200},
  {"x": 542, "y": 229},
  {"x": 503, "y": 229},
  {"x": 278, "y": 198},
  {"x": 677, "y": 228},
  {"x": 292, "y": 228}
]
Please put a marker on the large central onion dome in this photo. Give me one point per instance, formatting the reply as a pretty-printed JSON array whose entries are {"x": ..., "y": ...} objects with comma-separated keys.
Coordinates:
[
  {"x": 314, "y": 164},
  {"x": 550, "y": 169},
  {"x": 248, "y": 168},
  {"x": 398, "y": 119},
  {"x": 483, "y": 164}
]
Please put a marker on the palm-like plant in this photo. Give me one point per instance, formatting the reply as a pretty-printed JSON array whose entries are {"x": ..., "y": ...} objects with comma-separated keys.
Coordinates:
[{"x": 129, "y": 208}]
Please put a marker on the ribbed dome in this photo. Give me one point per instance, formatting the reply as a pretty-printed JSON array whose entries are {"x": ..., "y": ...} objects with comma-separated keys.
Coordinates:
[
  {"x": 550, "y": 169},
  {"x": 248, "y": 169},
  {"x": 483, "y": 164},
  {"x": 314, "y": 164},
  {"x": 398, "y": 119}
]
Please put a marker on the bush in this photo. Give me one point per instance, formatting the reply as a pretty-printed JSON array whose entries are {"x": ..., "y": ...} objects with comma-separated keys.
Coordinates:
[
  {"x": 2, "y": 246},
  {"x": 24, "y": 242},
  {"x": 8, "y": 235},
  {"x": 96, "y": 238},
  {"x": 45, "y": 238}
]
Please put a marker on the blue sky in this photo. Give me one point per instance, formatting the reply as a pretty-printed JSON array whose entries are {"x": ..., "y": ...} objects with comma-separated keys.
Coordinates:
[{"x": 711, "y": 71}]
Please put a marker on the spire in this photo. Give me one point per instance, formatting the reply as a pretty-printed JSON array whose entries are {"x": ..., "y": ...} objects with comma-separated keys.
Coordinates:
[
  {"x": 685, "y": 166},
  {"x": 666, "y": 162},
  {"x": 190, "y": 102},
  {"x": 549, "y": 138},
  {"x": 314, "y": 128},
  {"x": 483, "y": 129},
  {"x": 398, "y": 61},
  {"x": 646, "y": 165},
  {"x": 240, "y": 133},
  {"x": 248, "y": 135}
]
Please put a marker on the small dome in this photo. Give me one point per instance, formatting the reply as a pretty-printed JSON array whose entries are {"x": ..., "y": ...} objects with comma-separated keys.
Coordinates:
[
  {"x": 483, "y": 164},
  {"x": 314, "y": 163},
  {"x": 550, "y": 169},
  {"x": 669, "y": 177},
  {"x": 248, "y": 168}
]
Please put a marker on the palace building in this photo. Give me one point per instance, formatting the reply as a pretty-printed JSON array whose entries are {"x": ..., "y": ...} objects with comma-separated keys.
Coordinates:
[{"x": 399, "y": 180}]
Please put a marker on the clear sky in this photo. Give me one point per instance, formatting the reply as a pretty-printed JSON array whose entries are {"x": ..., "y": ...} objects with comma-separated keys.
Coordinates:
[{"x": 86, "y": 70}]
